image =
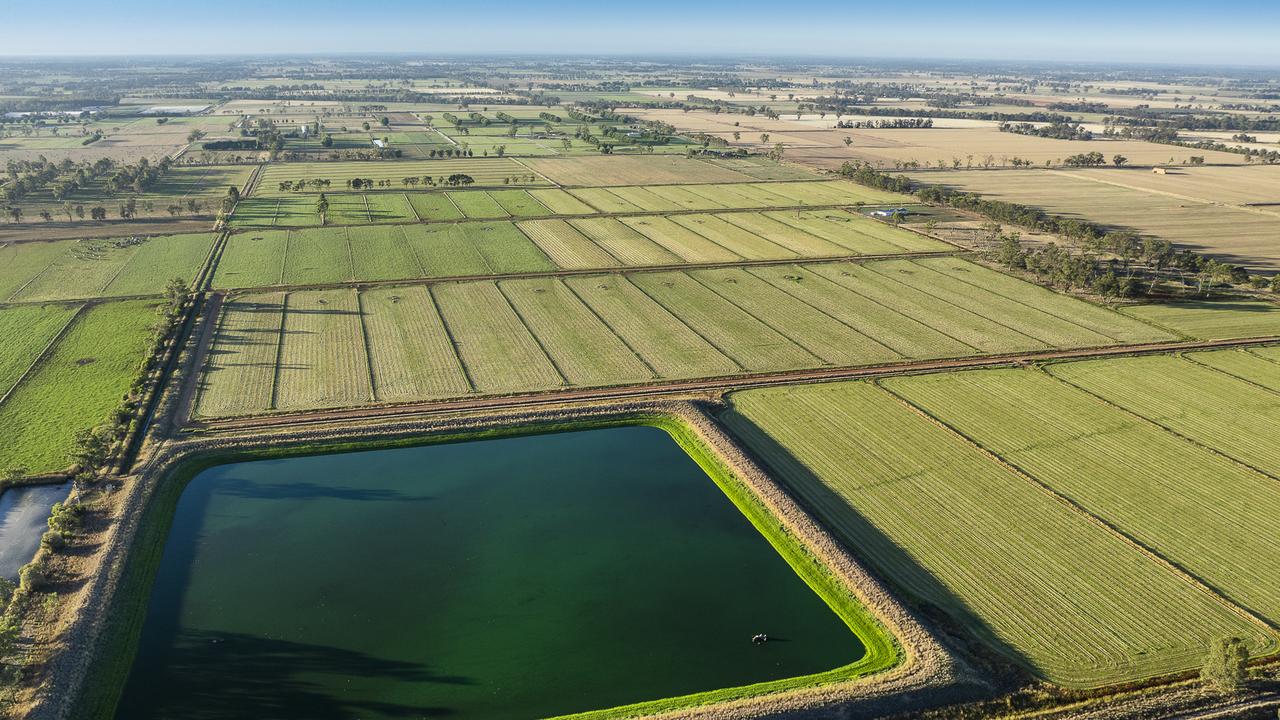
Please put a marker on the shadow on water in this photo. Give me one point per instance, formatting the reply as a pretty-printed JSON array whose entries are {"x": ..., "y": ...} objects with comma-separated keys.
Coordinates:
[
  {"x": 884, "y": 555},
  {"x": 257, "y": 489},
  {"x": 258, "y": 677}
]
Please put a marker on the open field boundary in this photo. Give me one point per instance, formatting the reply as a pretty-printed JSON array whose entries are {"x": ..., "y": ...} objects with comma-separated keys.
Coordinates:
[{"x": 713, "y": 386}]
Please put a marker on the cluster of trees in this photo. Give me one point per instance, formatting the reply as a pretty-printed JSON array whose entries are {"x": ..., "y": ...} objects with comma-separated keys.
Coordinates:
[
  {"x": 453, "y": 152},
  {"x": 1058, "y": 130},
  {"x": 895, "y": 124},
  {"x": 1100, "y": 259},
  {"x": 1092, "y": 159}
]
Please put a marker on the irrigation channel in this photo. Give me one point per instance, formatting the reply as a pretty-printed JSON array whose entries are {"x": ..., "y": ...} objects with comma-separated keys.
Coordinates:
[
  {"x": 24, "y": 512},
  {"x": 518, "y": 577}
]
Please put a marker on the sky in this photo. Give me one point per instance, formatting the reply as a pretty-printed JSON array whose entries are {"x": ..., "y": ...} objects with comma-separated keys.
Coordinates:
[{"x": 1135, "y": 31}]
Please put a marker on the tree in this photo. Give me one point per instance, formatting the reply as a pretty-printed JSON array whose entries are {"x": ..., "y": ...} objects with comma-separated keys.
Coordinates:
[
  {"x": 384, "y": 120},
  {"x": 1119, "y": 160},
  {"x": 175, "y": 292},
  {"x": 98, "y": 212},
  {"x": 1225, "y": 665},
  {"x": 322, "y": 208},
  {"x": 1010, "y": 253},
  {"x": 764, "y": 138},
  {"x": 776, "y": 153},
  {"x": 848, "y": 141},
  {"x": 233, "y": 194}
]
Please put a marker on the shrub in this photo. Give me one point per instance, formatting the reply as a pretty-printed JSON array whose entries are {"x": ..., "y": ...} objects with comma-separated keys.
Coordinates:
[{"x": 52, "y": 540}]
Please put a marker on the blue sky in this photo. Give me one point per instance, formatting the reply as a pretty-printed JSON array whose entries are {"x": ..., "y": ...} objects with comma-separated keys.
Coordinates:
[{"x": 1175, "y": 31}]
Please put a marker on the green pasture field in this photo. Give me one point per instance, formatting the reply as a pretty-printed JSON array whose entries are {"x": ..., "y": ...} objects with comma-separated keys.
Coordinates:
[
  {"x": 531, "y": 335},
  {"x": 1214, "y": 319},
  {"x": 27, "y": 330},
  {"x": 98, "y": 268},
  {"x": 1200, "y": 510},
  {"x": 84, "y": 377},
  {"x": 485, "y": 172},
  {"x": 1047, "y": 586}
]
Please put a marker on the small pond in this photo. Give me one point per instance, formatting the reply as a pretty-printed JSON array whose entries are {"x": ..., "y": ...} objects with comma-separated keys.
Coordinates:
[{"x": 24, "y": 516}]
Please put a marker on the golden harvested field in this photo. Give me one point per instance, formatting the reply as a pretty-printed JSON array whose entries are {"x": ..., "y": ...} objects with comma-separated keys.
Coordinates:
[
  {"x": 809, "y": 143},
  {"x": 1235, "y": 234}
]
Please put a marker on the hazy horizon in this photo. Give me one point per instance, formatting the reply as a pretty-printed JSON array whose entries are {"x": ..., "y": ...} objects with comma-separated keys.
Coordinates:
[{"x": 1143, "y": 32}]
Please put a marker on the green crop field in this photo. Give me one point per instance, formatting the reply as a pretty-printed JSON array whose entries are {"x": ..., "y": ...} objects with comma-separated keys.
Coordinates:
[
  {"x": 500, "y": 353},
  {"x": 584, "y": 349},
  {"x": 1204, "y": 405},
  {"x": 532, "y": 335},
  {"x": 680, "y": 240},
  {"x": 566, "y": 246},
  {"x": 323, "y": 358},
  {"x": 477, "y": 205},
  {"x": 560, "y": 202},
  {"x": 99, "y": 268},
  {"x": 624, "y": 243},
  {"x": 1212, "y": 320},
  {"x": 1215, "y": 518},
  {"x": 240, "y": 374},
  {"x": 1260, "y": 366},
  {"x": 1047, "y": 586},
  {"x": 733, "y": 238},
  {"x": 84, "y": 377},
  {"x": 410, "y": 353}
]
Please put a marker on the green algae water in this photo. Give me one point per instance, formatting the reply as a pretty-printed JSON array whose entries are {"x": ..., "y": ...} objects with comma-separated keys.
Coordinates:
[{"x": 522, "y": 577}]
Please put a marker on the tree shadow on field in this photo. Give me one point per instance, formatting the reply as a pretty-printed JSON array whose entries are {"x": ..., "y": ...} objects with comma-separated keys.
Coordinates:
[
  {"x": 945, "y": 612},
  {"x": 216, "y": 675}
]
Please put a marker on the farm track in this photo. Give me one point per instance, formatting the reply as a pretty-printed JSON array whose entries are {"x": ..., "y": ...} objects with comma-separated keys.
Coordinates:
[
  {"x": 705, "y": 385},
  {"x": 573, "y": 272}
]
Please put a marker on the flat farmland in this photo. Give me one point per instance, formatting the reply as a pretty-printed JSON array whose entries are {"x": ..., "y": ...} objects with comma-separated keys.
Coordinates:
[
  {"x": 1213, "y": 320},
  {"x": 1047, "y": 586},
  {"x": 632, "y": 170},
  {"x": 1192, "y": 506},
  {"x": 206, "y": 185},
  {"x": 1207, "y": 406},
  {"x": 485, "y": 171},
  {"x": 1185, "y": 214},
  {"x": 27, "y": 330},
  {"x": 1260, "y": 366},
  {"x": 306, "y": 256},
  {"x": 538, "y": 334},
  {"x": 76, "y": 386},
  {"x": 388, "y": 206},
  {"x": 98, "y": 268}
]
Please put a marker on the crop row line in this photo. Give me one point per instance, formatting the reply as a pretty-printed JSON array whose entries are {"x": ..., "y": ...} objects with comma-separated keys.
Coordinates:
[{"x": 1194, "y": 580}]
